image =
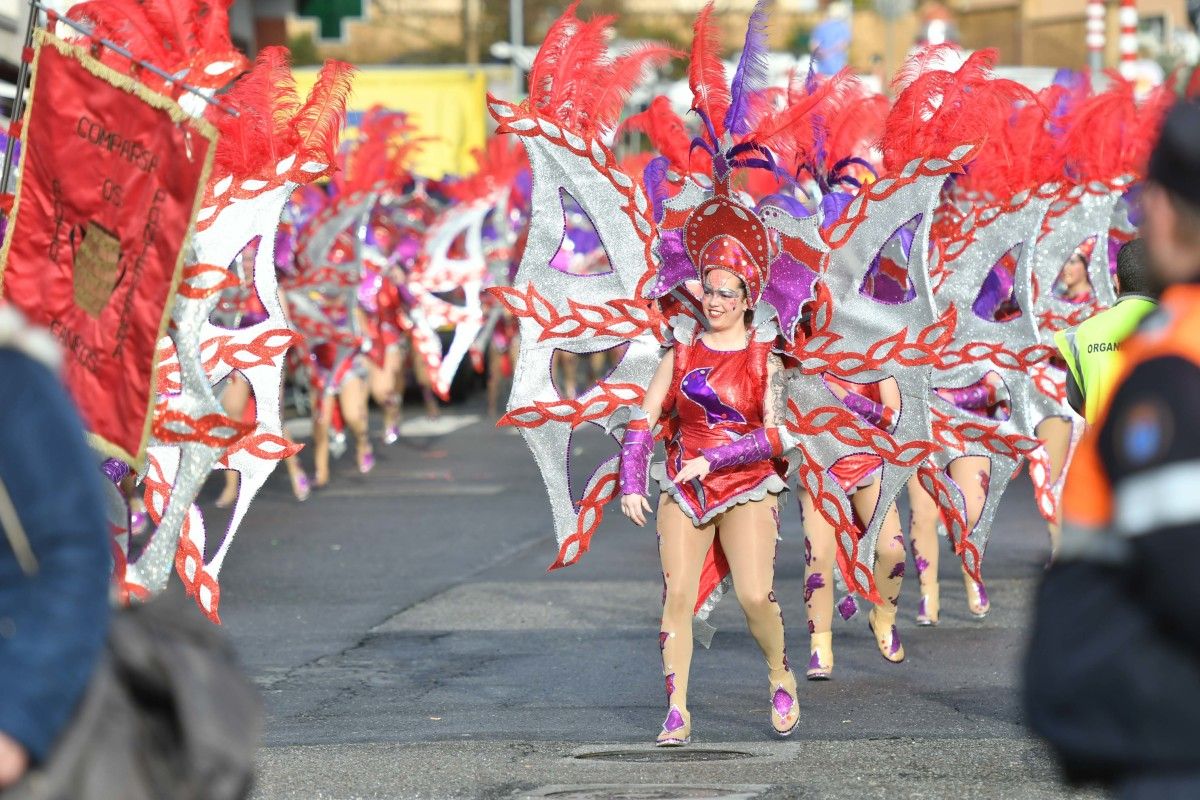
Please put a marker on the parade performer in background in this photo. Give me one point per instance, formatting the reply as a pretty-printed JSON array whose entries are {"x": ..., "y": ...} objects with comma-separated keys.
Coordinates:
[
  {"x": 827, "y": 147},
  {"x": 325, "y": 294},
  {"x": 239, "y": 307},
  {"x": 270, "y": 141}
]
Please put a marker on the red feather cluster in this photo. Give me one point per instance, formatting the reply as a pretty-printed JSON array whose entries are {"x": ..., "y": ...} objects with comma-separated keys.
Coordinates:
[
  {"x": 839, "y": 117},
  {"x": 382, "y": 154},
  {"x": 1110, "y": 135},
  {"x": 272, "y": 124},
  {"x": 669, "y": 136},
  {"x": 499, "y": 165},
  {"x": 575, "y": 82},
  {"x": 939, "y": 109},
  {"x": 174, "y": 35},
  {"x": 1019, "y": 151},
  {"x": 706, "y": 72}
]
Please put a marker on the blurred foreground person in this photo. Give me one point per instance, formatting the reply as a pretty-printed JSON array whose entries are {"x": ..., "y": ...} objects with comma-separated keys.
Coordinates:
[
  {"x": 1113, "y": 673},
  {"x": 54, "y": 562},
  {"x": 147, "y": 703}
]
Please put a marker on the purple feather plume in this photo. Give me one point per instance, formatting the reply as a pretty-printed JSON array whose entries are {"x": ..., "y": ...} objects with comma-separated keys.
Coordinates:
[
  {"x": 751, "y": 75},
  {"x": 653, "y": 177}
]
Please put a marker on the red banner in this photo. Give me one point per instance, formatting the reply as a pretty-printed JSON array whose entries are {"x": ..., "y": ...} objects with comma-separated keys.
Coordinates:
[{"x": 112, "y": 176}]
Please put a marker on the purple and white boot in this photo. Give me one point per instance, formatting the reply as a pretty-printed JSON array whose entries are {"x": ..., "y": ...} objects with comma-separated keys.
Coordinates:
[
  {"x": 783, "y": 704},
  {"x": 887, "y": 638},
  {"x": 820, "y": 660},
  {"x": 977, "y": 597},
  {"x": 676, "y": 729}
]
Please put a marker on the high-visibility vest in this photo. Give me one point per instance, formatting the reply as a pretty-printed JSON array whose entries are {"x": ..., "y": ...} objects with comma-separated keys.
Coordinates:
[
  {"x": 1092, "y": 349},
  {"x": 1089, "y": 505}
]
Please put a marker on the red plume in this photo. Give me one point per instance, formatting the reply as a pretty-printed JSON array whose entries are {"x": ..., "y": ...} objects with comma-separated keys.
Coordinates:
[
  {"x": 212, "y": 26},
  {"x": 175, "y": 21},
  {"x": 939, "y": 110},
  {"x": 260, "y": 136},
  {"x": 1109, "y": 135},
  {"x": 554, "y": 45},
  {"x": 706, "y": 73},
  {"x": 123, "y": 22},
  {"x": 928, "y": 59},
  {"x": 666, "y": 131},
  {"x": 320, "y": 119},
  {"x": 619, "y": 81}
]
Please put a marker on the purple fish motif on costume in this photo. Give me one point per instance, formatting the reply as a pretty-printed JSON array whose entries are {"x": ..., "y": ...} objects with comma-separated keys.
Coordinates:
[
  {"x": 670, "y": 686},
  {"x": 848, "y": 607},
  {"x": 897, "y": 571},
  {"x": 695, "y": 388},
  {"x": 674, "y": 721}
]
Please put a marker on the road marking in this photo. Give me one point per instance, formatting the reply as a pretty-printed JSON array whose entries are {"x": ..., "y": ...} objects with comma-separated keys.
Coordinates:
[
  {"x": 434, "y": 490},
  {"x": 422, "y": 427}
]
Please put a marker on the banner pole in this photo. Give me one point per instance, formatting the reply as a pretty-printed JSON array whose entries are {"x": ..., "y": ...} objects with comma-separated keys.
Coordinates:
[{"x": 18, "y": 108}]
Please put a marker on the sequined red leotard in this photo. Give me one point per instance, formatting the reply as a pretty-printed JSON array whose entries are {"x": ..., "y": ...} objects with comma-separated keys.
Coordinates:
[{"x": 716, "y": 396}]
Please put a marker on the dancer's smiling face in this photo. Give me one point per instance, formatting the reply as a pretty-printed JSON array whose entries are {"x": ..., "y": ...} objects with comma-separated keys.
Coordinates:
[{"x": 725, "y": 302}]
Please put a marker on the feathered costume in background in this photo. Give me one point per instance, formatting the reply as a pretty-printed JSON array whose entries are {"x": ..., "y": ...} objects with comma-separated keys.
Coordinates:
[{"x": 274, "y": 143}]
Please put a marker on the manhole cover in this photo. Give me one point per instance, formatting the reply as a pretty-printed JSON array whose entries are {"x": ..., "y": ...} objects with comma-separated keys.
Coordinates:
[
  {"x": 660, "y": 755},
  {"x": 641, "y": 792}
]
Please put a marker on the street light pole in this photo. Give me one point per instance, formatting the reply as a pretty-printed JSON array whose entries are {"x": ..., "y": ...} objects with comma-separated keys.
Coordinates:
[
  {"x": 1095, "y": 34},
  {"x": 516, "y": 36},
  {"x": 1128, "y": 40}
]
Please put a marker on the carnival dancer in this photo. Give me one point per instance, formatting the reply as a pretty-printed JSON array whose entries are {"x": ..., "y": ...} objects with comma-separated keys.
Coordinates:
[
  {"x": 859, "y": 478},
  {"x": 722, "y": 397},
  {"x": 239, "y": 307},
  {"x": 1073, "y": 284}
]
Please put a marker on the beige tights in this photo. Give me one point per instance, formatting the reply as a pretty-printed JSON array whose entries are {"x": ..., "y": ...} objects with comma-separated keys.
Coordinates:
[
  {"x": 820, "y": 543},
  {"x": 748, "y": 535}
]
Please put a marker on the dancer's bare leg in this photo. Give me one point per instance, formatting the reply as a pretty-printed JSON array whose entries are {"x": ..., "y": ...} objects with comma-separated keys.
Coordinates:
[
  {"x": 233, "y": 400},
  {"x": 383, "y": 382},
  {"x": 819, "y": 557},
  {"x": 922, "y": 533},
  {"x": 353, "y": 400},
  {"x": 1055, "y": 433},
  {"x": 972, "y": 475},
  {"x": 682, "y": 548},
  {"x": 749, "y": 536},
  {"x": 322, "y": 422},
  {"x": 889, "y": 571}
]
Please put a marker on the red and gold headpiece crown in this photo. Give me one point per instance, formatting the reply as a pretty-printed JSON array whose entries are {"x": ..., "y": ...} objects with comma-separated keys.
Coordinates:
[{"x": 724, "y": 234}]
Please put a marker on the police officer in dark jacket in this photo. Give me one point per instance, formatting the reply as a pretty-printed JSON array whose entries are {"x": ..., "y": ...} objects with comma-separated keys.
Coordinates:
[
  {"x": 1112, "y": 677},
  {"x": 54, "y": 562}
]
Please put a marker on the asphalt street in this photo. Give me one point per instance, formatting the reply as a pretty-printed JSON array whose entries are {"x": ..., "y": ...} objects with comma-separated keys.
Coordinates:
[{"x": 409, "y": 642}]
